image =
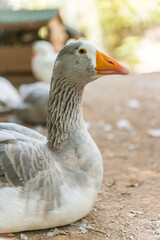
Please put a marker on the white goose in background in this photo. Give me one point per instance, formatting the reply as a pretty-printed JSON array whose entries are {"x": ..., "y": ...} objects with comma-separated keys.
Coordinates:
[
  {"x": 43, "y": 60},
  {"x": 29, "y": 105},
  {"x": 54, "y": 180},
  {"x": 34, "y": 102},
  {"x": 8, "y": 95}
]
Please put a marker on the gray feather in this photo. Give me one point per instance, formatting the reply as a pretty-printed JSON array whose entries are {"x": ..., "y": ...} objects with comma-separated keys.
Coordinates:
[{"x": 21, "y": 155}]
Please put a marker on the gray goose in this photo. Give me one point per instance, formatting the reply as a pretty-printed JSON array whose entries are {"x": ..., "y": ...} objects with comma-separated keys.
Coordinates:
[{"x": 54, "y": 181}]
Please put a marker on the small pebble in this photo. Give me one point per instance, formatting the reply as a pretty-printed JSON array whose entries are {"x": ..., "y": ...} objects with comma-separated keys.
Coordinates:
[
  {"x": 133, "y": 133},
  {"x": 131, "y": 147},
  {"x": 107, "y": 127},
  {"x": 110, "y": 136},
  {"x": 153, "y": 121},
  {"x": 51, "y": 234},
  {"x": 118, "y": 109},
  {"x": 23, "y": 236},
  {"x": 132, "y": 237},
  {"x": 154, "y": 165},
  {"x": 82, "y": 229},
  {"x": 111, "y": 155},
  {"x": 131, "y": 215},
  {"x": 133, "y": 103},
  {"x": 100, "y": 123},
  {"x": 124, "y": 231},
  {"x": 137, "y": 212},
  {"x": 154, "y": 132},
  {"x": 124, "y": 124},
  {"x": 157, "y": 231}
]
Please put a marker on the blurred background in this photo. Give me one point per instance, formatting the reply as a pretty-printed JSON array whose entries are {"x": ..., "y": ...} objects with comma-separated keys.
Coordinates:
[
  {"x": 122, "y": 113},
  {"x": 128, "y": 30}
]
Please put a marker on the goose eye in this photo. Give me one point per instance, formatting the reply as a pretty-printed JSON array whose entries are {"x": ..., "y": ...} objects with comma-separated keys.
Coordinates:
[{"x": 82, "y": 51}]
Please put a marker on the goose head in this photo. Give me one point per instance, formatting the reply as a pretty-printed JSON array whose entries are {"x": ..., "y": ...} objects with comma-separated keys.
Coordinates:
[
  {"x": 42, "y": 47},
  {"x": 81, "y": 62}
]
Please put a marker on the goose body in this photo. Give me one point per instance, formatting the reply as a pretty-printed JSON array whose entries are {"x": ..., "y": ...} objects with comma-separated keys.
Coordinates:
[
  {"x": 8, "y": 95},
  {"x": 50, "y": 193},
  {"x": 29, "y": 105},
  {"x": 54, "y": 181},
  {"x": 43, "y": 61},
  {"x": 33, "y": 105}
]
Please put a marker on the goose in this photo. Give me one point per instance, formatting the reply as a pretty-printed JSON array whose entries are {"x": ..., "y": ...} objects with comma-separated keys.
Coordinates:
[
  {"x": 8, "y": 95},
  {"x": 29, "y": 105},
  {"x": 33, "y": 105},
  {"x": 43, "y": 60},
  {"x": 53, "y": 181}
]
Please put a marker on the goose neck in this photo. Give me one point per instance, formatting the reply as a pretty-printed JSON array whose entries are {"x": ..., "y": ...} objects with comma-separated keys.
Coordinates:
[{"x": 64, "y": 112}]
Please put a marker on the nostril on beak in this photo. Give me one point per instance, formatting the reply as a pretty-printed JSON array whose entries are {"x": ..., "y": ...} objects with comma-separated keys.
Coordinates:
[{"x": 111, "y": 62}]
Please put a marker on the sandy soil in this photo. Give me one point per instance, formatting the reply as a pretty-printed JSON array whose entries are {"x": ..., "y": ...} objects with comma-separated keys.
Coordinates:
[{"x": 128, "y": 205}]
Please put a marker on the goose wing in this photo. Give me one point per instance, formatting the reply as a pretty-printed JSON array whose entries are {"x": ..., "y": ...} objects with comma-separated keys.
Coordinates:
[{"x": 22, "y": 154}]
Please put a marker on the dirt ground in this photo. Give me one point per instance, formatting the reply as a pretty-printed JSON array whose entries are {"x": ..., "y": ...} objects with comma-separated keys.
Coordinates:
[{"x": 128, "y": 204}]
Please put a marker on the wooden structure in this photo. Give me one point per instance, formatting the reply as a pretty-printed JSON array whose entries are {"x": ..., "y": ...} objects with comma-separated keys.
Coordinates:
[{"x": 18, "y": 30}]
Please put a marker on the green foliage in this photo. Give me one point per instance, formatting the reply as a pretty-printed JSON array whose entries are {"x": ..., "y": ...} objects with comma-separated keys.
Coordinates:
[
  {"x": 124, "y": 22},
  {"x": 128, "y": 50}
]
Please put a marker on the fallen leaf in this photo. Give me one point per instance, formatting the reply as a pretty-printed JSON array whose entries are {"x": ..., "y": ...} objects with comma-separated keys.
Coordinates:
[
  {"x": 133, "y": 214},
  {"x": 125, "y": 193},
  {"x": 134, "y": 182},
  {"x": 59, "y": 231},
  {"x": 110, "y": 183},
  {"x": 137, "y": 212}
]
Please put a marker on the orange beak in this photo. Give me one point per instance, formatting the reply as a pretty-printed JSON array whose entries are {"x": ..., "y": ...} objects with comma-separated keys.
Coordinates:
[{"x": 106, "y": 65}]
